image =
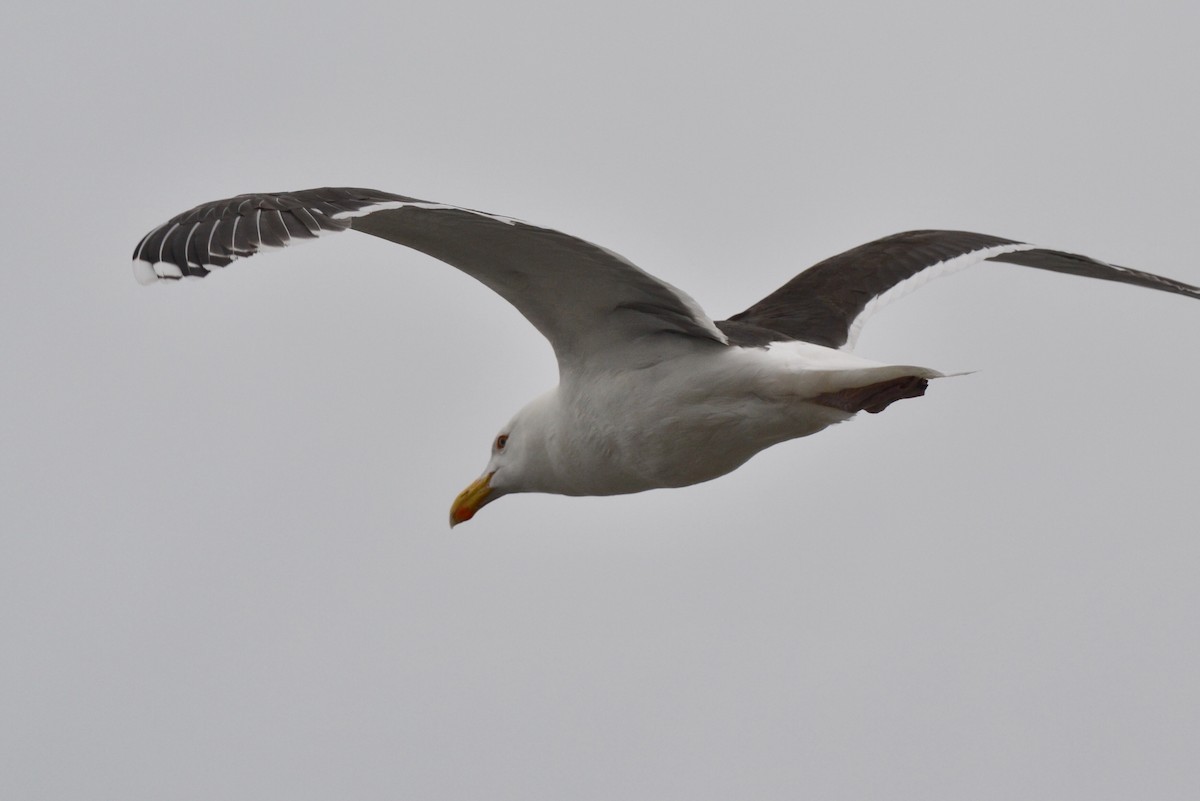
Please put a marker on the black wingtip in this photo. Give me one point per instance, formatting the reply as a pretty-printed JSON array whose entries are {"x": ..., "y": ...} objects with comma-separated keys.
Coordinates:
[{"x": 214, "y": 234}]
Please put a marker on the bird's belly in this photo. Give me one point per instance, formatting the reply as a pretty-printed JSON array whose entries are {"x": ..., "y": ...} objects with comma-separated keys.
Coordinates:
[
  {"x": 694, "y": 419},
  {"x": 692, "y": 443}
]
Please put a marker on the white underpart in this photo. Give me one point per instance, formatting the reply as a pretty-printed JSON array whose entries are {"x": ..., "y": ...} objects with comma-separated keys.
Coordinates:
[
  {"x": 680, "y": 422},
  {"x": 926, "y": 275}
]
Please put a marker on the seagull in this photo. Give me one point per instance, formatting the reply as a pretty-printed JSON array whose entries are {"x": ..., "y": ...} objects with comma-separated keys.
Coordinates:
[{"x": 652, "y": 392}]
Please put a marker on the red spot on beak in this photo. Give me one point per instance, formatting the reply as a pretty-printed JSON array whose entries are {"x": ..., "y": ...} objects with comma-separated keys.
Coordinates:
[{"x": 471, "y": 499}]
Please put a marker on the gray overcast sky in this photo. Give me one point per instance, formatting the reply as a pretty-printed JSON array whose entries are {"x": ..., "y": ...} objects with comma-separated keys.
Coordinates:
[{"x": 224, "y": 564}]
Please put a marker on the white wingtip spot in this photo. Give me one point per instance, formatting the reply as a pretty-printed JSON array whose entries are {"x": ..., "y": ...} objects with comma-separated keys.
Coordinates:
[
  {"x": 144, "y": 272},
  {"x": 167, "y": 270}
]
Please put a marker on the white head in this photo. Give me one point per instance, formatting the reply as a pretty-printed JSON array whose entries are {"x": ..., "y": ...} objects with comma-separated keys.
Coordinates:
[{"x": 518, "y": 461}]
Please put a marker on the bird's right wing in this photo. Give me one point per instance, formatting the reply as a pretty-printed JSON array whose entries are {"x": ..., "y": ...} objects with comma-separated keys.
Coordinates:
[
  {"x": 593, "y": 305},
  {"x": 828, "y": 303}
]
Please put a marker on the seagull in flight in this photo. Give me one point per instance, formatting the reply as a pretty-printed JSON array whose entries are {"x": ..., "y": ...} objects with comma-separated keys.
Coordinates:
[{"x": 652, "y": 392}]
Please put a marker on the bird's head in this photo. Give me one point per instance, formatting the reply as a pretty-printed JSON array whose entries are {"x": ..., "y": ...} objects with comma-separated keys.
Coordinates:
[
  {"x": 486, "y": 488},
  {"x": 517, "y": 459}
]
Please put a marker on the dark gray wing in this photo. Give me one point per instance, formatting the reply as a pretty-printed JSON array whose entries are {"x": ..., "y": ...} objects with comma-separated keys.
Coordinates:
[
  {"x": 590, "y": 303},
  {"x": 828, "y": 302}
]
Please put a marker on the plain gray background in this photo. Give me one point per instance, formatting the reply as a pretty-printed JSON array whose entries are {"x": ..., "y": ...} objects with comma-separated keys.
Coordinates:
[{"x": 225, "y": 570}]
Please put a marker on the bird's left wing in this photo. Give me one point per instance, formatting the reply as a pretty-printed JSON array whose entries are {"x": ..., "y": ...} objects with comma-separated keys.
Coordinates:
[
  {"x": 589, "y": 302},
  {"x": 828, "y": 303}
]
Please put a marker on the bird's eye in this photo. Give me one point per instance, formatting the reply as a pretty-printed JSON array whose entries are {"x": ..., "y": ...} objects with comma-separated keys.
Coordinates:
[{"x": 501, "y": 441}]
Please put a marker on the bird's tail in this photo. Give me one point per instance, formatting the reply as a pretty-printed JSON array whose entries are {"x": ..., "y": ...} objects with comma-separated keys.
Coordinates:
[{"x": 874, "y": 398}]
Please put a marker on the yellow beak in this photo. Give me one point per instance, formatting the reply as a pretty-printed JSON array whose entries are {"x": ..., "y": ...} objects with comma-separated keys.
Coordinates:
[{"x": 470, "y": 500}]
